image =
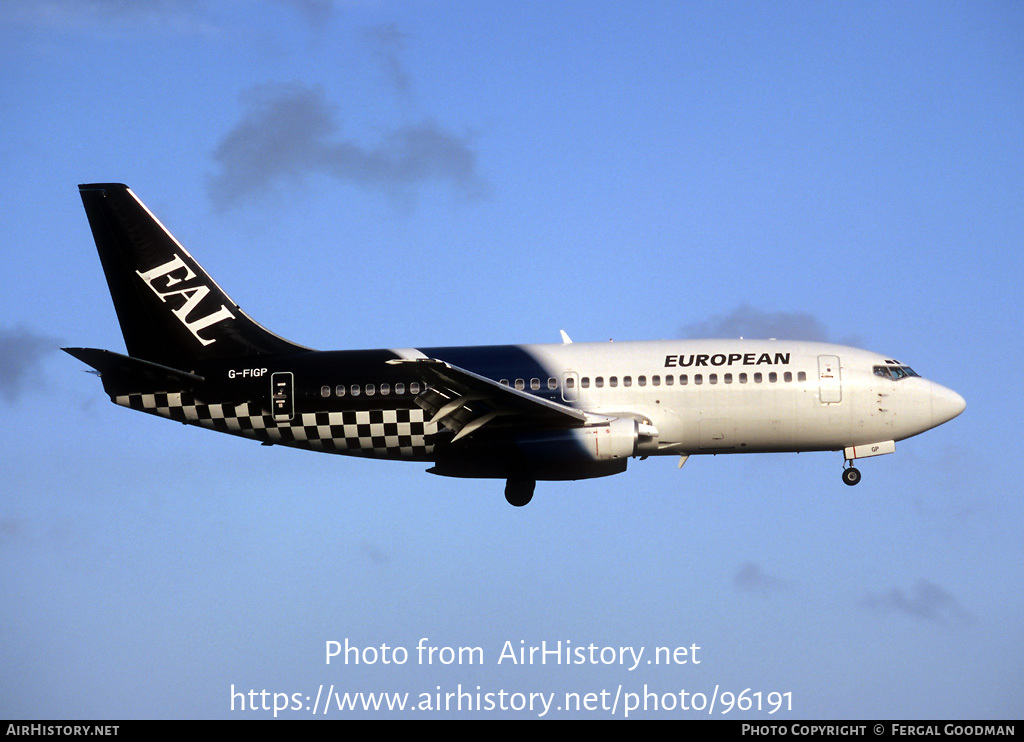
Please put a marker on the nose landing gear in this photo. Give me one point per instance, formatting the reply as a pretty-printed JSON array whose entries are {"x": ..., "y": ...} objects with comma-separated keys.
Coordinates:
[{"x": 851, "y": 476}]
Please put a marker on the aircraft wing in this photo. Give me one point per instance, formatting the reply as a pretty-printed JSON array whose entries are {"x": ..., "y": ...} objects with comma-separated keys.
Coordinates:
[{"x": 464, "y": 401}]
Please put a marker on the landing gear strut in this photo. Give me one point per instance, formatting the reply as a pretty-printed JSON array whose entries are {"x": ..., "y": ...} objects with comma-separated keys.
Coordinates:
[
  {"x": 519, "y": 492},
  {"x": 851, "y": 476}
]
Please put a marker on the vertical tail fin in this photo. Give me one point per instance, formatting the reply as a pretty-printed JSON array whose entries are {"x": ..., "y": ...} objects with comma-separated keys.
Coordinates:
[{"x": 169, "y": 308}]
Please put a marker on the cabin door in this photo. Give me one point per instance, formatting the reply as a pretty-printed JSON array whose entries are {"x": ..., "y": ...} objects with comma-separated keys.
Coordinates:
[
  {"x": 829, "y": 381},
  {"x": 282, "y": 396}
]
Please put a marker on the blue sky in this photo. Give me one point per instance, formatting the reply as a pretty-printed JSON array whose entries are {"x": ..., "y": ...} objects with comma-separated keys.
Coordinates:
[{"x": 391, "y": 174}]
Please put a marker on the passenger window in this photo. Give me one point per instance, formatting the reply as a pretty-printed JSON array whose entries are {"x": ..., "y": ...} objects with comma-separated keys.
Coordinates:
[
  {"x": 758, "y": 377},
  {"x": 414, "y": 387},
  {"x": 340, "y": 390},
  {"x": 585, "y": 382},
  {"x": 385, "y": 389},
  {"x": 520, "y": 384},
  {"x": 570, "y": 382},
  {"x": 552, "y": 383},
  {"x": 504, "y": 382},
  {"x": 370, "y": 390},
  {"x": 801, "y": 376},
  {"x": 325, "y": 391},
  {"x": 668, "y": 380},
  {"x": 743, "y": 378},
  {"x": 613, "y": 381},
  {"x": 534, "y": 384},
  {"x": 727, "y": 378},
  {"x": 599, "y": 382},
  {"x": 354, "y": 390},
  {"x": 399, "y": 388},
  {"x": 627, "y": 381},
  {"x": 788, "y": 376},
  {"x": 641, "y": 381},
  {"x": 698, "y": 379},
  {"x": 773, "y": 377},
  {"x": 655, "y": 381},
  {"x": 712, "y": 378}
]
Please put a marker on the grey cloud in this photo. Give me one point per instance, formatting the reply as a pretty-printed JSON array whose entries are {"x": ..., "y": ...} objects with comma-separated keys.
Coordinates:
[
  {"x": 21, "y": 355},
  {"x": 752, "y": 579},
  {"x": 926, "y": 601},
  {"x": 11, "y": 529},
  {"x": 182, "y": 16},
  {"x": 119, "y": 8},
  {"x": 748, "y": 322},
  {"x": 290, "y": 131},
  {"x": 386, "y": 44},
  {"x": 107, "y": 16},
  {"x": 111, "y": 8},
  {"x": 316, "y": 12},
  {"x": 374, "y": 553}
]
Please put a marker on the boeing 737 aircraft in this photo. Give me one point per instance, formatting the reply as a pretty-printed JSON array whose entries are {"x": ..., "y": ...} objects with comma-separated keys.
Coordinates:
[{"x": 521, "y": 413}]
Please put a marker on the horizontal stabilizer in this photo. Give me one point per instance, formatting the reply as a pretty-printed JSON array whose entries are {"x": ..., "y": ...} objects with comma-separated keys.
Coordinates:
[{"x": 124, "y": 373}]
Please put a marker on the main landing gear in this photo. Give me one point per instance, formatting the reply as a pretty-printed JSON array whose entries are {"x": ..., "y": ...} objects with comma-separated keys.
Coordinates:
[
  {"x": 519, "y": 491},
  {"x": 851, "y": 476}
]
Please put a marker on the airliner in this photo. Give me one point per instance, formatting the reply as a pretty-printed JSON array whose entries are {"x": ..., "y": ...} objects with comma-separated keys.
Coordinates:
[{"x": 522, "y": 413}]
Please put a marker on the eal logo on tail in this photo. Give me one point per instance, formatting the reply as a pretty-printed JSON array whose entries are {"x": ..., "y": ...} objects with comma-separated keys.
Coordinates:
[{"x": 175, "y": 276}]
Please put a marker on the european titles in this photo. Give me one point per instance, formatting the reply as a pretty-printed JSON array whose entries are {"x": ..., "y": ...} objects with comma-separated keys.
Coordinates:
[{"x": 726, "y": 359}]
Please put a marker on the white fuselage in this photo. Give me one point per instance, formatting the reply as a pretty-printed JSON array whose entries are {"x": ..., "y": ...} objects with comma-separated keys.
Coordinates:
[{"x": 735, "y": 396}]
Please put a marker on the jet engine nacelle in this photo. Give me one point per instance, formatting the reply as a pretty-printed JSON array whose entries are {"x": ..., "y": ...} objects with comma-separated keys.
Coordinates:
[
  {"x": 614, "y": 440},
  {"x": 576, "y": 453}
]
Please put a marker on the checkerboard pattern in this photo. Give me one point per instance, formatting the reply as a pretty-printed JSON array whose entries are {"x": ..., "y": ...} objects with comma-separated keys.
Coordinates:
[{"x": 387, "y": 434}]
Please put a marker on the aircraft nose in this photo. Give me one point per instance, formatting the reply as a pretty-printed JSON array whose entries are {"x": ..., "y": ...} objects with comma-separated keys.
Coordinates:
[{"x": 946, "y": 404}]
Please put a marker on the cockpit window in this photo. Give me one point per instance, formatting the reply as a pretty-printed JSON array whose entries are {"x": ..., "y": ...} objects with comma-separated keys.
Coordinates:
[{"x": 894, "y": 372}]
